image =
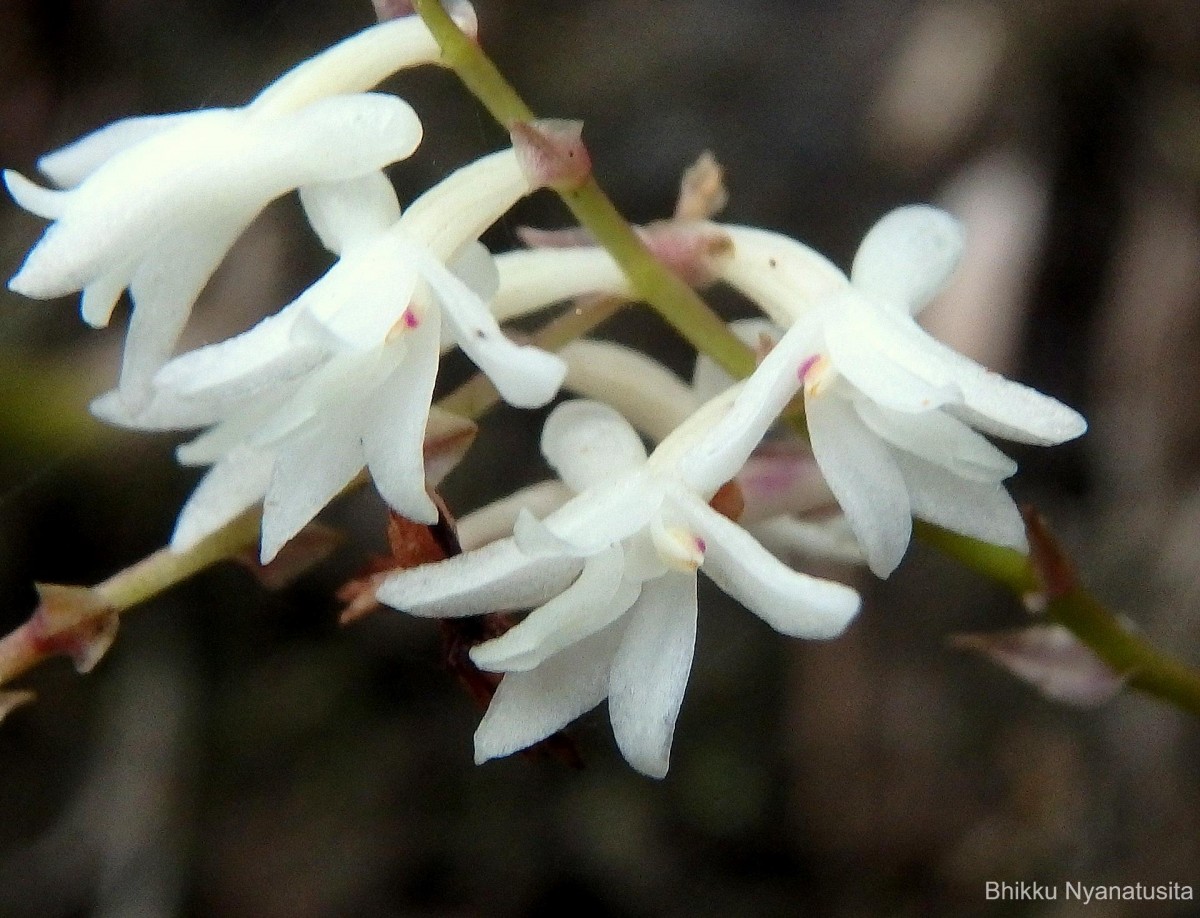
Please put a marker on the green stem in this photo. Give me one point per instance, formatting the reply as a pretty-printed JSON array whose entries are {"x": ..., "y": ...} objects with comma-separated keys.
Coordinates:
[
  {"x": 1148, "y": 670},
  {"x": 165, "y": 568},
  {"x": 664, "y": 291}
]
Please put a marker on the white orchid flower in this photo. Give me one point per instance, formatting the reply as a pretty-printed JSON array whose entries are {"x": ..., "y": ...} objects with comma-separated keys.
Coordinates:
[
  {"x": 153, "y": 204},
  {"x": 612, "y": 574},
  {"x": 892, "y": 413},
  {"x": 343, "y": 377}
]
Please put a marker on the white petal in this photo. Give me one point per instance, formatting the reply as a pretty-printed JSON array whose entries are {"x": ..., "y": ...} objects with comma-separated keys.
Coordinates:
[
  {"x": 588, "y": 443},
  {"x": 394, "y": 425},
  {"x": 164, "y": 288},
  {"x": 164, "y": 412},
  {"x": 496, "y": 520},
  {"x": 784, "y": 277},
  {"x": 938, "y": 438},
  {"x": 241, "y": 367},
  {"x": 864, "y": 478},
  {"x": 724, "y": 449},
  {"x": 600, "y": 516},
  {"x": 525, "y": 377},
  {"x": 349, "y": 212},
  {"x": 100, "y": 296},
  {"x": 496, "y": 577},
  {"x": 862, "y": 350},
  {"x": 460, "y": 207},
  {"x": 311, "y": 469},
  {"x": 591, "y": 603},
  {"x": 981, "y": 509},
  {"x": 991, "y": 403},
  {"x": 907, "y": 257},
  {"x": 528, "y": 707},
  {"x": 789, "y": 601},
  {"x": 650, "y": 671},
  {"x": 230, "y": 487},
  {"x": 355, "y": 64},
  {"x": 709, "y": 378},
  {"x": 331, "y": 140},
  {"x": 359, "y": 301},
  {"x": 71, "y": 164},
  {"x": 44, "y": 202}
]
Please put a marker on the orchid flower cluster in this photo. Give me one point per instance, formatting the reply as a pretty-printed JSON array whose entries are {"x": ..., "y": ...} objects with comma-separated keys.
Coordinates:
[{"x": 605, "y": 557}]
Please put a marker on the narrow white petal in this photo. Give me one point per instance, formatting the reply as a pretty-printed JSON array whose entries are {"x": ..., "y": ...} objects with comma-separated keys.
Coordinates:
[
  {"x": 650, "y": 671},
  {"x": 939, "y": 438},
  {"x": 44, "y": 202},
  {"x": 353, "y": 65},
  {"x": 394, "y": 421},
  {"x": 100, "y": 296},
  {"x": 528, "y": 707},
  {"x": 861, "y": 349},
  {"x": 990, "y": 402},
  {"x": 591, "y": 603},
  {"x": 164, "y": 288},
  {"x": 349, "y": 212},
  {"x": 360, "y": 300},
  {"x": 537, "y": 540},
  {"x": 496, "y": 577},
  {"x": 70, "y": 165},
  {"x": 724, "y": 449},
  {"x": 165, "y": 411},
  {"x": 265, "y": 356},
  {"x": 981, "y": 509},
  {"x": 710, "y": 379},
  {"x": 906, "y": 258},
  {"x": 331, "y": 140},
  {"x": 525, "y": 377},
  {"x": 606, "y": 514},
  {"x": 230, "y": 487},
  {"x": 863, "y": 476},
  {"x": 588, "y": 443},
  {"x": 791, "y": 602},
  {"x": 784, "y": 277},
  {"x": 311, "y": 469},
  {"x": 496, "y": 520}
]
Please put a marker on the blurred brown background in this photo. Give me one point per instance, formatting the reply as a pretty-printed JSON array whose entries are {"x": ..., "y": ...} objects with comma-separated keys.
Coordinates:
[{"x": 238, "y": 754}]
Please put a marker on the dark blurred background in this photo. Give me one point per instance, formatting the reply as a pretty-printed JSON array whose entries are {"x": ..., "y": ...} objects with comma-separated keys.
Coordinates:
[{"x": 239, "y": 754}]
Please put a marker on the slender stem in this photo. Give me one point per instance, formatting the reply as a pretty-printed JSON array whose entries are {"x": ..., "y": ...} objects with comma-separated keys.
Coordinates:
[
  {"x": 1075, "y": 608},
  {"x": 664, "y": 291},
  {"x": 165, "y": 568}
]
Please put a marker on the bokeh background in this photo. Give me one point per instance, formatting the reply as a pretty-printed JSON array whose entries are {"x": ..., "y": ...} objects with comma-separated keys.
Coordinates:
[{"x": 239, "y": 754}]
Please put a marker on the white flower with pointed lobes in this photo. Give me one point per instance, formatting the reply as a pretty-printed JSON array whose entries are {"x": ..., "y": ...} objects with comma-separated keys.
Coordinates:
[
  {"x": 343, "y": 377},
  {"x": 894, "y": 416},
  {"x": 611, "y": 575},
  {"x": 152, "y": 204}
]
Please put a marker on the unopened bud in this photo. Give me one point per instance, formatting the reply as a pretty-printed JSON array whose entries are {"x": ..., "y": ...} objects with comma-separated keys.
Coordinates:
[{"x": 551, "y": 153}]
